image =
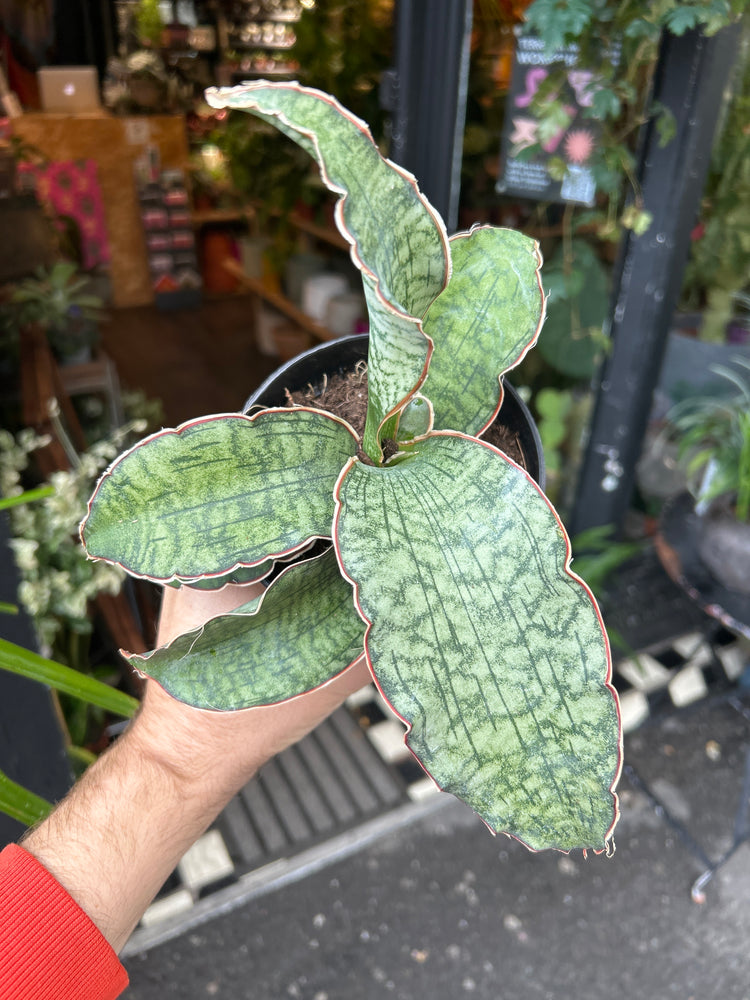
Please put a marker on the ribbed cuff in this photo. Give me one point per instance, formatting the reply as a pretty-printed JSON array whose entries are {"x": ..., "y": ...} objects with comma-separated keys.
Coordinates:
[{"x": 49, "y": 948}]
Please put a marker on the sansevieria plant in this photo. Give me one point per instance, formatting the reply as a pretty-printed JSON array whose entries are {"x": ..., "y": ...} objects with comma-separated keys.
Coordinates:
[{"x": 447, "y": 564}]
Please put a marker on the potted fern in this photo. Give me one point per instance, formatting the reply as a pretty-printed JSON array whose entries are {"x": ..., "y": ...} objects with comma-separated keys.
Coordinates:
[{"x": 436, "y": 554}]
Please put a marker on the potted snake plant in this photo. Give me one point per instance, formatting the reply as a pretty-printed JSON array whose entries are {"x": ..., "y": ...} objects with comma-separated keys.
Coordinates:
[{"x": 437, "y": 554}]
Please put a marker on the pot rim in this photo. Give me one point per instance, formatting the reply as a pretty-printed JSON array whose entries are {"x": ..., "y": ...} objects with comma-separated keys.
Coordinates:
[{"x": 305, "y": 368}]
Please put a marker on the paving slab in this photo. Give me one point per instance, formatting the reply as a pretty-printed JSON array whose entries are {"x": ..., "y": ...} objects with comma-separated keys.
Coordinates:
[{"x": 440, "y": 909}]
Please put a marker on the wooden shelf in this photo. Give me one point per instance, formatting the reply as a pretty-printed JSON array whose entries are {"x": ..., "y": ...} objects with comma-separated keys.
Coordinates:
[
  {"x": 211, "y": 216},
  {"x": 278, "y": 301},
  {"x": 323, "y": 233}
]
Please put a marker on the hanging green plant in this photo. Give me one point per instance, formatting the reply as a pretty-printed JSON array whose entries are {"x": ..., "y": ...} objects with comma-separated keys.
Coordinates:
[{"x": 572, "y": 341}]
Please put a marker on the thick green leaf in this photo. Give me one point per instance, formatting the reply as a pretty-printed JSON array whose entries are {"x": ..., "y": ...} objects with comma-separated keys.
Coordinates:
[
  {"x": 397, "y": 365},
  {"x": 20, "y": 803},
  {"x": 482, "y": 641},
  {"x": 572, "y": 340},
  {"x": 398, "y": 240},
  {"x": 299, "y": 634},
  {"x": 398, "y": 237},
  {"x": 219, "y": 493},
  {"x": 22, "y": 661},
  {"x": 482, "y": 324}
]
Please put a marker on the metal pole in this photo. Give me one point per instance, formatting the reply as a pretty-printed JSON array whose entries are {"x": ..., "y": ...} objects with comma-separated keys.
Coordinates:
[
  {"x": 428, "y": 96},
  {"x": 690, "y": 80}
]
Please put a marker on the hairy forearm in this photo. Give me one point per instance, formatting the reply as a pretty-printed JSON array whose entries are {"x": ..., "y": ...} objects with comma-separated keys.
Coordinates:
[
  {"x": 120, "y": 833},
  {"x": 114, "y": 841}
]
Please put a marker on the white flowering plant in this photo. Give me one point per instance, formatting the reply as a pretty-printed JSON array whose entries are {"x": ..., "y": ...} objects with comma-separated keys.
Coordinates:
[{"x": 57, "y": 582}]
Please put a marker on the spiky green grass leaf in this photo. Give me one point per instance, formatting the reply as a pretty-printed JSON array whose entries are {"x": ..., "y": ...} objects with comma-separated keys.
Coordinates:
[
  {"x": 482, "y": 641},
  {"x": 26, "y": 663},
  {"x": 219, "y": 494},
  {"x": 482, "y": 324},
  {"x": 299, "y": 634},
  {"x": 21, "y": 803}
]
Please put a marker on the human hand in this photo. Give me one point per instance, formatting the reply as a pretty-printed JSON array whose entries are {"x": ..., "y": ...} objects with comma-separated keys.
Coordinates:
[
  {"x": 120, "y": 832},
  {"x": 226, "y": 748}
]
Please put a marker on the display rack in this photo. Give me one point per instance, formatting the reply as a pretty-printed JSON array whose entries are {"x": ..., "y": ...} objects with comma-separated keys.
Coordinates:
[{"x": 256, "y": 39}]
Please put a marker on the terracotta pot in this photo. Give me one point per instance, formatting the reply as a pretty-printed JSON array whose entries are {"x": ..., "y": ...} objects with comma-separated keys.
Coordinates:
[
  {"x": 216, "y": 247},
  {"x": 340, "y": 356}
]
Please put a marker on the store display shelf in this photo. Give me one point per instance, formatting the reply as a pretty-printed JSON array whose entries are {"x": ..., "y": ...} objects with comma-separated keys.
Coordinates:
[
  {"x": 239, "y": 46},
  {"x": 217, "y": 216},
  {"x": 280, "y": 302},
  {"x": 264, "y": 74}
]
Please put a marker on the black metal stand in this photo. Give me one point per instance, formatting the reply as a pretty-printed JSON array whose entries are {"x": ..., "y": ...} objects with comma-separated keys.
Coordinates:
[
  {"x": 677, "y": 549},
  {"x": 427, "y": 95},
  {"x": 691, "y": 78}
]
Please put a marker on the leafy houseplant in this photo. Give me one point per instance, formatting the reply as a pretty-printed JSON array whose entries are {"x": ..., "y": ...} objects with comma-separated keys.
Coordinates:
[
  {"x": 713, "y": 435},
  {"x": 444, "y": 561},
  {"x": 56, "y": 299},
  {"x": 15, "y": 800}
]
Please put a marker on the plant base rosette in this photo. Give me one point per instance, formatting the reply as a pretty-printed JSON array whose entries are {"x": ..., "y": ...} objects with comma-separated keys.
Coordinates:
[{"x": 445, "y": 563}]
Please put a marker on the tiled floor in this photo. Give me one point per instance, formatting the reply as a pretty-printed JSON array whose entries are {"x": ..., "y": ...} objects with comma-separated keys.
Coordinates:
[{"x": 680, "y": 672}]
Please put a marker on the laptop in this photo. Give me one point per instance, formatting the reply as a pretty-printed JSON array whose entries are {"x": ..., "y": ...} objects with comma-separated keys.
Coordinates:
[{"x": 69, "y": 89}]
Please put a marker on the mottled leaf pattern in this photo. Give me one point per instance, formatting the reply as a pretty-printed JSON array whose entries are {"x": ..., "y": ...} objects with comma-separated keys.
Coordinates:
[
  {"x": 219, "y": 493},
  {"x": 399, "y": 240},
  {"x": 482, "y": 641},
  {"x": 299, "y": 634},
  {"x": 481, "y": 325},
  {"x": 398, "y": 236}
]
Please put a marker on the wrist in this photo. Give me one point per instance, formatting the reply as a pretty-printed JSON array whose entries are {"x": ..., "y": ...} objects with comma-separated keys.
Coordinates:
[{"x": 206, "y": 756}]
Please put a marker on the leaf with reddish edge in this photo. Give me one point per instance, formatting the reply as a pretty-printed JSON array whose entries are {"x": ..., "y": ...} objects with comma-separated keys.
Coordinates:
[
  {"x": 482, "y": 640},
  {"x": 398, "y": 240},
  {"x": 243, "y": 575},
  {"x": 396, "y": 235},
  {"x": 219, "y": 494},
  {"x": 299, "y": 634},
  {"x": 482, "y": 324},
  {"x": 390, "y": 372}
]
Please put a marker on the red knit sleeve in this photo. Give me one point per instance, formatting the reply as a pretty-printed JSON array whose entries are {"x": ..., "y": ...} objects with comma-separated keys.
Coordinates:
[{"x": 49, "y": 948}]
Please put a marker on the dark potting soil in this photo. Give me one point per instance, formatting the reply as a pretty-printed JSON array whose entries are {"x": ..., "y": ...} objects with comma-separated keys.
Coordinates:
[{"x": 346, "y": 397}]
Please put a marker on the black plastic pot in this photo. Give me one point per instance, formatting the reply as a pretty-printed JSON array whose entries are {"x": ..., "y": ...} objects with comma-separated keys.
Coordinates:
[{"x": 340, "y": 356}]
